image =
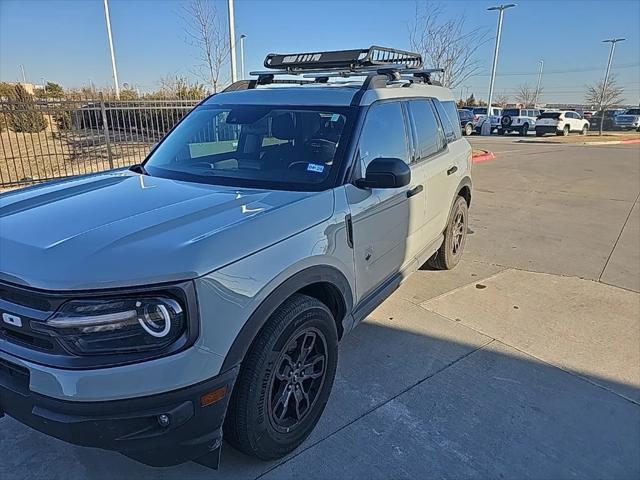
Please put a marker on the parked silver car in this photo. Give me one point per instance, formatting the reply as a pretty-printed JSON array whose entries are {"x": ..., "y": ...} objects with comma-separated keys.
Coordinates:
[
  {"x": 149, "y": 310},
  {"x": 629, "y": 120}
]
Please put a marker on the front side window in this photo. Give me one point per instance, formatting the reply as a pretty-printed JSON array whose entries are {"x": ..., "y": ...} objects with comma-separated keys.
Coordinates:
[
  {"x": 383, "y": 134},
  {"x": 429, "y": 138},
  {"x": 255, "y": 146}
]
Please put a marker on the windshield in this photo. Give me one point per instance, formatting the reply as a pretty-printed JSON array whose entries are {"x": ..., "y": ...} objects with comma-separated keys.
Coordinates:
[{"x": 254, "y": 146}]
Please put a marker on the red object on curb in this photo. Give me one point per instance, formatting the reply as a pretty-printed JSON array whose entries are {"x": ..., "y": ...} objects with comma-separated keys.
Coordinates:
[
  {"x": 484, "y": 157},
  {"x": 627, "y": 142}
]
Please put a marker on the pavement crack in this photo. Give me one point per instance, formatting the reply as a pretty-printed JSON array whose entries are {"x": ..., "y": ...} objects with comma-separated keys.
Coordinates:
[
  {"x": 376, "y": 407},
  {"x": 618, "y": 239}
]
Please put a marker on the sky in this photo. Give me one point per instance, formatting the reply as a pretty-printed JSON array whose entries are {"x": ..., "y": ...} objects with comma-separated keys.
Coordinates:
[{"x": 65, "y": 41}]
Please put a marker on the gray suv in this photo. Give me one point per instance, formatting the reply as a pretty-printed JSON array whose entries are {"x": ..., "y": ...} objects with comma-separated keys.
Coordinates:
[{"x": 150, "y": 310}]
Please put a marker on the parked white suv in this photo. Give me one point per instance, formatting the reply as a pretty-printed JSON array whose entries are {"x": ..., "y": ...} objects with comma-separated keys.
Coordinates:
[
  {"x": 519, "y": 120},
  {"x": 480, "y": 114},
  {"x": 561, "y": 122}
]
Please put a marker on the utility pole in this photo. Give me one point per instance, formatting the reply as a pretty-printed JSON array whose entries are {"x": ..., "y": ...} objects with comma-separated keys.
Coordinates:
[
  {"x": 486, "y": 126},
  {"x": 232, "y": 41},
  {"x": 535, "y": 102},
  {"x": 113, "y": 56},
  {"x": 613, "y": 42},
  {"x": 242, "y": 37}
]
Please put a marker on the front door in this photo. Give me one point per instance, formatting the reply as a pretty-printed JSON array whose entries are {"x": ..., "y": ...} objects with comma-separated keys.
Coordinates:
[{"x": 382, "y": 219}]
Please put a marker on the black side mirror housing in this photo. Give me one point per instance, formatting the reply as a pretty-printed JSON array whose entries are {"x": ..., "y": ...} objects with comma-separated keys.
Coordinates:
[{"x": 385, "y": 173}]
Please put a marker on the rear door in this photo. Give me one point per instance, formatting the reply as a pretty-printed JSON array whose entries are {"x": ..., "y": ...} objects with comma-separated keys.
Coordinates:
[{"x": 434, "y": 163}]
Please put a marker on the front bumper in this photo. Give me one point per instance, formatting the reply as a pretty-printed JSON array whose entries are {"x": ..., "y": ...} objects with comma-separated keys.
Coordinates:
[{"x": 129, "y": 426}]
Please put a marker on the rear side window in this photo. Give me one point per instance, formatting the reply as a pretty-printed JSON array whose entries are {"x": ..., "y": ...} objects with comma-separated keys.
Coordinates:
[
  {"x": 429, "y": 139},
  {"x": 452, "y": 112},
  {"x": 449, "y": 130},
  {"x": 383, "y": 134}
]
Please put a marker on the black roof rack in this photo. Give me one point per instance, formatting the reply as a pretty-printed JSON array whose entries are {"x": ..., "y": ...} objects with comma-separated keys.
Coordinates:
[
  {"x": 343, "y": 59},
  {"x": 380, "y": 64}
]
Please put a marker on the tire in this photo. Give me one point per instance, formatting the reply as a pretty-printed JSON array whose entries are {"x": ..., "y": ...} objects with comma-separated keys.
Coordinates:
[
  {"x": 539, "y": 133},
  {"x": 565, "y": 131},
  {"x": 270, "y": 371},
  {"x": 524, "y": 130},
  {"x": 447, "y": 257},
  {"x": 501, "y": 131},
  {"x": 468, "y": 129},
  {"x": 585, "y": 130}
]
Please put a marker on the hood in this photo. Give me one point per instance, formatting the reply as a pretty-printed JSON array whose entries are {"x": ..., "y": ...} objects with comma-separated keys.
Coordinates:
[{"x": 123, "y": 229}]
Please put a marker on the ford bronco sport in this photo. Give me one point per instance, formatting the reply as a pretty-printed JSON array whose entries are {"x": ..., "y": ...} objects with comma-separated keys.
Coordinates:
[{"x": 150, "y": 310}]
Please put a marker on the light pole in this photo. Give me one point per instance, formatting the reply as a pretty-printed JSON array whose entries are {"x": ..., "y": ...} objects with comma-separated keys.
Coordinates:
[
  {"x": 613, "y": 42},
  {"x": 232, "y": 41},
  {"x": 113, "y": 55},
  {"x": 24, "y": 77},
  {"x": 242, "y": 37},
  {"x": 486, "y": 129},
  {"x": 535, "y": 102}
]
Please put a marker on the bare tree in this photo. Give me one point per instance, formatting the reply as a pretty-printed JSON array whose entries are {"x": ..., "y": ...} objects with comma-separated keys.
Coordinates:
[
  {"x": 604, "y": 98},
  {"x": 501, "y": 100},
  {"x": 526, "y": 95},
  {"x": 206, "y": 33},
  {"x": 446, "y": 44},
  {"x": 177, "y": 86}
]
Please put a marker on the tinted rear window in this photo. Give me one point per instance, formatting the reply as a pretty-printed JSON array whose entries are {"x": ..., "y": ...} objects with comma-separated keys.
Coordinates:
[
  {"x": 633, "y": 111},
  {"x": 512, "y": 112},
  {"x": 554, "y": 115},
  {"x": 480, "y": 111}
]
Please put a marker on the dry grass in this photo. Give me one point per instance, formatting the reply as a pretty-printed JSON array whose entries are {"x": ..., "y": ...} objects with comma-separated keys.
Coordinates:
[{"x": 55, "y": 153}]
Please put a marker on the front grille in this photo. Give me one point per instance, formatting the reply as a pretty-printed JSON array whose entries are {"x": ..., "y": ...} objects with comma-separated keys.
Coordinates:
[
  {"x": 26, "y": 339},
  {"x": 26, "y": 298}
]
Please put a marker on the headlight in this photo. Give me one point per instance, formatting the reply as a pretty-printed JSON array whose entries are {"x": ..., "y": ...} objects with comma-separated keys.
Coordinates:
[{"x": 108, "y": 326}]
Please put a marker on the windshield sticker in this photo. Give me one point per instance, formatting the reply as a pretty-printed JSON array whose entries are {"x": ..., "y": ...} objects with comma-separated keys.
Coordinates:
[
  {"x": 335, "y": 117},
  {"x": 314, "y": 167}
]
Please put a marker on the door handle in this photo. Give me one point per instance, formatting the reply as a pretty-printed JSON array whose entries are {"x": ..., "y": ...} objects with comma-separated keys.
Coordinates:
[
  {"x": 452, "y": 170},
  {"x": 414, "y": 191}
]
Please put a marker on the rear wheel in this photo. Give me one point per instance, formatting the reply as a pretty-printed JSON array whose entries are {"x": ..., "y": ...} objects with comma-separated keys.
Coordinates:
[
  {"x": 285, "y": 380},
  {"x": 539, "y": 133},
  {"x": 501, "y": 131},
  {"x": 468, "y": 129},
  {"x": 585, "y": 130},
  {"x": 455, "y": 238},
  {"x": 524, "y": 130},
  {"x": 565, "y": 131}
]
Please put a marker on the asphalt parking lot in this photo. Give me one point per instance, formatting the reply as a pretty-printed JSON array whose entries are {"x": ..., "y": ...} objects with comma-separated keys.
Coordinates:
[{"x": 523, "y": 362}]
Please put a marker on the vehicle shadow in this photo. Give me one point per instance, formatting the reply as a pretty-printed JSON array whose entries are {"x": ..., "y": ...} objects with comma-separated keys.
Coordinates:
[{"x": 416, "y": 396}]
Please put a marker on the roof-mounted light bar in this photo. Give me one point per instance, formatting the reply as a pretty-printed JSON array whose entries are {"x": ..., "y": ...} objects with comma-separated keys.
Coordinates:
[{"x": 351, "y": 60}]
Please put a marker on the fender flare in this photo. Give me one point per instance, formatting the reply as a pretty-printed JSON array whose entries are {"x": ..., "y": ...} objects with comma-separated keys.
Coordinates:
[{"x": 306, "y": 277}]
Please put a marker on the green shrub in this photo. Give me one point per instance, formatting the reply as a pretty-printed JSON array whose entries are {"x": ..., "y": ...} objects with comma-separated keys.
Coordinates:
[{"x": 23, "y": 114}]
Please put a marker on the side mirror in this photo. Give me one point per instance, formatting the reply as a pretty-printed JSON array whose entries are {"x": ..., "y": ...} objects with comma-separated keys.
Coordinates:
[{"x": 385, "y": 173}]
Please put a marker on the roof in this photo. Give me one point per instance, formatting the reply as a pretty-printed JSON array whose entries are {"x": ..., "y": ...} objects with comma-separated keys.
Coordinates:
[{"x": 329, "y": 94}]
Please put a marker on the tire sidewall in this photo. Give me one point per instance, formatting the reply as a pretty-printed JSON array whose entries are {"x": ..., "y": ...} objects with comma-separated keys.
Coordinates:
[
  {"x": 263, "y": 432},
  {"x": 451, "y": 259}
]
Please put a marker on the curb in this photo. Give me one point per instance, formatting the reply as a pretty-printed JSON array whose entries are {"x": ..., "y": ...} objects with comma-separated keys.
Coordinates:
[
  {"x": 615, "y": 142},
  {"x": 484, "y": 157},
  {"x": 608, "y": 142}
]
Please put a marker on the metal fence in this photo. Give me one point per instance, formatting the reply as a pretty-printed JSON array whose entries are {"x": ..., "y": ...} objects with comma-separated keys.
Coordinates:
[{"x": 44, "y": 140}]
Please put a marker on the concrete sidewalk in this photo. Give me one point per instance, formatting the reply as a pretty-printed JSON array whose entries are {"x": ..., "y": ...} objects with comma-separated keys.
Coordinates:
[{"x": 523, "y": 362}]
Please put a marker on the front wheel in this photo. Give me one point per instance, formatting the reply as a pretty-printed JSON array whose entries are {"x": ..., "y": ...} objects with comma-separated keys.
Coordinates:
[
  {"x": 285, "y": 380},
  {"x": 455, "y": 238}
]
